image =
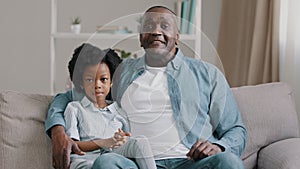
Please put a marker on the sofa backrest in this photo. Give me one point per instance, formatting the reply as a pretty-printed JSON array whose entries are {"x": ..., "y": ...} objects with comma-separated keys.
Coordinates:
[
  {"x": 269, "y": 114},
  {"x": 23, "y": 142}
]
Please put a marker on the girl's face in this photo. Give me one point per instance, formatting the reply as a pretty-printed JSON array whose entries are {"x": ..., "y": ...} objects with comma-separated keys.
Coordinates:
[{"x": 96, "y": 83}]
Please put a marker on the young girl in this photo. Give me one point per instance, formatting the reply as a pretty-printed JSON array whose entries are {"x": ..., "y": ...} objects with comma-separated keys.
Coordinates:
[{"x": 95, "y": 123}]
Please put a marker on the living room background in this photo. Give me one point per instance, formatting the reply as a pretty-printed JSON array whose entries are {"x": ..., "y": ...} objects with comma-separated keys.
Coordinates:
[
  {"x": 25, "y": 39},
  {"x": 25, "y": 35}
]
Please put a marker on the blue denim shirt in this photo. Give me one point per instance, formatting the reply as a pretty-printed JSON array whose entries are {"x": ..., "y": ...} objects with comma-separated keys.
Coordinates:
[{"x": 202, "y": 102}]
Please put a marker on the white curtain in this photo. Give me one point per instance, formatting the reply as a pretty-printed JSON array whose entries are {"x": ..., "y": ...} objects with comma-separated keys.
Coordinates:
[{"x": 290, "y": 46}]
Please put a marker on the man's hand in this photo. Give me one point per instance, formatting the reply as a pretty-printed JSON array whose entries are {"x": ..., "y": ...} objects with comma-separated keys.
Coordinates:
[
  {"x": 202, "y": 149},
  {"x": 62, "y": 146}
]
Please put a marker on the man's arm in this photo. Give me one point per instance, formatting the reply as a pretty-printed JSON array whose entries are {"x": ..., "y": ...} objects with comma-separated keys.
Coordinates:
[
  {"x": 231, "y": 135},
  {"x": 62, "y": 145},
  {"x": 225, "y": 116},
  {"x": 55, "y": 115},
  {"x": 228, "y": 129}
]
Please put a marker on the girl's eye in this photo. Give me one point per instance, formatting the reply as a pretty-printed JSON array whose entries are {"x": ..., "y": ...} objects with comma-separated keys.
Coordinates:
[{"x": 104, "y": 79}]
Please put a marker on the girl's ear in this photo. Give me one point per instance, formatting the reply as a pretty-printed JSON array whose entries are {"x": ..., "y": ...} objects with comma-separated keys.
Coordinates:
[{"x": 111, "y": 84}]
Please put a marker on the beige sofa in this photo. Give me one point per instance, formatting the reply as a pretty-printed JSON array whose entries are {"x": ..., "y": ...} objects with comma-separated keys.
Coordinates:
[{"x": 268, "y": 112}]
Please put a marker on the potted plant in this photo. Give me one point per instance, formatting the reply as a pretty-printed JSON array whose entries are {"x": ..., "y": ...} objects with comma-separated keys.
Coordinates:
[
  {"x": 123, "y": 54},
  {"x": 75, "y": 25}
]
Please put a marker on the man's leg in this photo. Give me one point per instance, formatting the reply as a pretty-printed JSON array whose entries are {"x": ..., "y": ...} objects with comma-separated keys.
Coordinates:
[
  {"x": 85, "y": 161},
  {"x": 224, "y": 160},
  {"x": 113, "y": 161}
]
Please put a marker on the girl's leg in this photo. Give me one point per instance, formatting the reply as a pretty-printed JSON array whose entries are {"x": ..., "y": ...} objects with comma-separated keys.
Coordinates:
[{"x": 138, "y": 148}]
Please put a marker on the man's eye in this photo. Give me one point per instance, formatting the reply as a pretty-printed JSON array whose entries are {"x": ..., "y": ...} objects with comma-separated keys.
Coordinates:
[
  {"x": 164, "y": 26},
  {"x": 148, "y": 27},
  {"x": 89, "y": 80}
]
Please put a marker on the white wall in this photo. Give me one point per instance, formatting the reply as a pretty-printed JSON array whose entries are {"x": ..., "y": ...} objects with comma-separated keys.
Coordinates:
[
  {"x": 211, "y": 13},
  {"x": 25, "y": 35},
  {"x": 24, "y": 45}
]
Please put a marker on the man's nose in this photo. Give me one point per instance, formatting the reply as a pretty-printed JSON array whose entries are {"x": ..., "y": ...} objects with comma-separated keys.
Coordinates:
[{"x": 156, "y": 31}]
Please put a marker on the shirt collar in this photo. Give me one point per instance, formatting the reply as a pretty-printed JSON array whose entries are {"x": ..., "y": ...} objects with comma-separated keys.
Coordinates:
[
  {"x": 176, "y": 61},
  {"x": 86, "y": 103}
]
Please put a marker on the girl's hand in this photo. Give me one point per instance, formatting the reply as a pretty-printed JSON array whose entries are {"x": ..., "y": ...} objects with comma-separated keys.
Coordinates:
[{"x": 120, "y": 137}]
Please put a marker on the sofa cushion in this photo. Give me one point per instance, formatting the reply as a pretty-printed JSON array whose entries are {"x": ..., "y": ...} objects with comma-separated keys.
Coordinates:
[
  {"x": 269, "y": 114},
  {"x": 284, "y": 154},
  {"x": 24, "y": 143},
  {"x": 250, "y": 161}
]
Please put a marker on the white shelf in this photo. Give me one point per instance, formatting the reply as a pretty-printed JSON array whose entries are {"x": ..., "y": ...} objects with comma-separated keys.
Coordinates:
[
  {"x": 67, "y": 35},
  {"x": 190, "y": 41}
]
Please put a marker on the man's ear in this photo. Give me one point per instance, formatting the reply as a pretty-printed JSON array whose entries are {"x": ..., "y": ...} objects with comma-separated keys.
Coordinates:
[
  {"x": 141, "y": 44},
  {"x": 177, "y": 39}
]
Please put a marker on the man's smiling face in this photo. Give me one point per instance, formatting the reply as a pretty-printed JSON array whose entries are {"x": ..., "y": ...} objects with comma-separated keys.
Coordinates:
[{"x": 159, "y": 34}]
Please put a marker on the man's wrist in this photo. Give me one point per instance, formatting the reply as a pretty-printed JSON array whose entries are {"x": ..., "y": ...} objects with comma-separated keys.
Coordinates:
[
  {"x": 221, "y": 147},
  {"x": 58, "y": 129}
]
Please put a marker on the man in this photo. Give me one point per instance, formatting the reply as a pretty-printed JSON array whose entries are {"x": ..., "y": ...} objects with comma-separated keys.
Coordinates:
[{"x": 184, "y": 106}]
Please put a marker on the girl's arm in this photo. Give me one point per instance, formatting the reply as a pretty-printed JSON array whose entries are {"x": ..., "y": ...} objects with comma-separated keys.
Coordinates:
[
  {"x": 96, "y": 144},
  {"x": 117, "y": 140}
]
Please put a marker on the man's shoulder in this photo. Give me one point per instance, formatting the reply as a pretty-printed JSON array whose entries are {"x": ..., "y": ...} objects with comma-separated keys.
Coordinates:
[
  {"x": 204, "y": 69},
  {"x": 199, "y": 64}
]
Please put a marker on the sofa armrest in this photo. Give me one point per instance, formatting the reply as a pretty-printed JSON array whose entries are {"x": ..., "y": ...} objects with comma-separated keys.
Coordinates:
[
  {"x": 269, "y": 114},
  {"x": 283, "y": 154}
]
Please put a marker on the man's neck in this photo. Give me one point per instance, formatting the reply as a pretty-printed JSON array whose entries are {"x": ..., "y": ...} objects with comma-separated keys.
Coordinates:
[{"x": 162, "y": 61}]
